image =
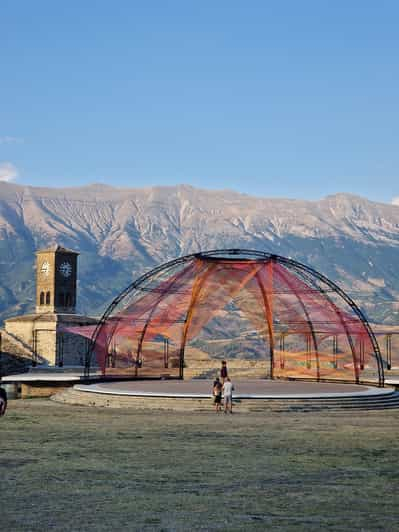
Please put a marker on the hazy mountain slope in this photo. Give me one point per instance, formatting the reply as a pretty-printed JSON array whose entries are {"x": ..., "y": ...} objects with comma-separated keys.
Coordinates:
[{"x": 122, "y": 232}]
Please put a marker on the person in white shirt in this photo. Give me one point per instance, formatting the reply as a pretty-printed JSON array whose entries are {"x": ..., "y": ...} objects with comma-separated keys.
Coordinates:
[{"x": 228, "y": 396}]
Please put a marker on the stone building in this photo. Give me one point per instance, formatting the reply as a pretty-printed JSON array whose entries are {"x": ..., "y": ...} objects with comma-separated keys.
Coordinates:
[{"x": 43, "y": 333}]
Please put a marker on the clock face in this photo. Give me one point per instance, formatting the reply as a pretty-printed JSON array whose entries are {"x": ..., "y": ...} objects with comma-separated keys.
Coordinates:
[
  {"x": 45, "y": 269},
  {"x": 65, "y": 269}
]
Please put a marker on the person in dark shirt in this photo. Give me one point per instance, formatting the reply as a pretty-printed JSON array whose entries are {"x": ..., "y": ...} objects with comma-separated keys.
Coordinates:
[
  {"x": 3, "y": 401},
  {"x": 217, "y": 394},
  {"x": 223, "y": 371}
]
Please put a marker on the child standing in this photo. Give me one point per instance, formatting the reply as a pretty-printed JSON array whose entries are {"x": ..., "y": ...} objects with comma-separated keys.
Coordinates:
[{"x": 217, "y": 394}]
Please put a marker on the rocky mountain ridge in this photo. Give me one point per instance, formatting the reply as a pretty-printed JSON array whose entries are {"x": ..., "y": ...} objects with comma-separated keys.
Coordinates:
[{"x": 121, "y": 233}]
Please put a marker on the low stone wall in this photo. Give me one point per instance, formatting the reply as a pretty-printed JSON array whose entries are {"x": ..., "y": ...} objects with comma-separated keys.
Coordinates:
[
  {"x": 15, "y": 357},
  {"x": 42, "y": 390},
  {"x": 75, "y": 397},
  {"x": 79, "y": 398}
]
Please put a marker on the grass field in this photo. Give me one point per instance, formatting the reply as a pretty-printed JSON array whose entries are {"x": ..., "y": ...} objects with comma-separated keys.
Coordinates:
[{"x": 81, "y": 469}]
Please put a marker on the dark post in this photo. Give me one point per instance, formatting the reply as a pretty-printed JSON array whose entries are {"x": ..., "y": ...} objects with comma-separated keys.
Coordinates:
[
  {"x": 308, "y": 353},
  {"x": 361, "y": 349},
  {"x": 282, "y": 351},
  {"x": 335, "y": 351},
  {"x": 181, "y": 363},
  {"x": 61, "y": 350},
  {"x": 34, "y": 347},
  {"x": 166, "y": 352},
  {"x": 1, "y": 356},
  {"x": 388, "y": 340}
]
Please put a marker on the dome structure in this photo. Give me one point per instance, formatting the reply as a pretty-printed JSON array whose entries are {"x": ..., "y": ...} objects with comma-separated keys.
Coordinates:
[{"x": 305, "y": 326}]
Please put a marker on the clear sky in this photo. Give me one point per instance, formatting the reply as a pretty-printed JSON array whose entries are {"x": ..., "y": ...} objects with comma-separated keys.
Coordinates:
[{"x": 274, "y": 98}]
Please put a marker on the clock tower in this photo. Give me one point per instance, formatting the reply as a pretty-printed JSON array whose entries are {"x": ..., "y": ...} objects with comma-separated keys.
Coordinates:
[
  {"x": 56, "y": 274},
  {"x": 50, "y": 333}
]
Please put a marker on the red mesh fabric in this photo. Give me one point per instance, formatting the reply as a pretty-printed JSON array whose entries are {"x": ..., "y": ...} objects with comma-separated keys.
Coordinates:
[{"x": 307, "y": 334}]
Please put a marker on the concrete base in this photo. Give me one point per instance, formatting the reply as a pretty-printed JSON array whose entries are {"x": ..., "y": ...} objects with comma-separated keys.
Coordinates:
[
  {"x": 243, "y": 389},
  {"x": 51, "y": 376},
  {"x": 250, "y": 396},
  {"x": 40, "y": 383}
]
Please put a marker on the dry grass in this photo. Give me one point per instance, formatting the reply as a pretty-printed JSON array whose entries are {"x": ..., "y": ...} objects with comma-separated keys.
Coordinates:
[{"x": 86, "y": 469}]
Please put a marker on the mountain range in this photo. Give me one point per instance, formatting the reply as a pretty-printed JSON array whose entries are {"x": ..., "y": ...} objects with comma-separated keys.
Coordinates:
[{"x": 121, "y": 233}]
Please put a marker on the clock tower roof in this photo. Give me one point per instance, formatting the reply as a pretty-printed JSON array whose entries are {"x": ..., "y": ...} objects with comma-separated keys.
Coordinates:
[{"x": 57, "y": 249}]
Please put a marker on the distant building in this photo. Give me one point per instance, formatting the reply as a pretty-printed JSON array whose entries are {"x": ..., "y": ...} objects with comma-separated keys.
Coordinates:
[{"x": 43, "y": 333}]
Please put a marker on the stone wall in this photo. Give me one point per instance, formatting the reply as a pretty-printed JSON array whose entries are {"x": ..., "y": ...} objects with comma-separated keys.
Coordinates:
[
  {"x": 14, "y": 356},
  {"x": 21, "y": 329},
  {"x": 43, "y": 390},
  {"x": 44, "y": 335},
  {"x": 38, "y": 334},
  {"x": 72, "y": 349}
]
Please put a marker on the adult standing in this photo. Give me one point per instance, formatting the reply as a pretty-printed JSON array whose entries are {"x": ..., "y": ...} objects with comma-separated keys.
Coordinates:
[
  {"x": 3, "y": 401},
  {"x": 228, "y": 396},
  {"x": 223, "y": 371}
]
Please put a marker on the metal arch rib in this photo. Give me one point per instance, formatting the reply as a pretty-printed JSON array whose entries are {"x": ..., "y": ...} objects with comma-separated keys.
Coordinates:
[
  {"x": 194, "y": 298},
  {"x": 343, "y": 323},
  {"x": 309, "y": 322},
  {"x": 359, "y": 313},
  {"x": 153, "y": 309},
  {"x": 269, "y": 320},
  {"x": 200, "y": 281},
  {"x": 120, "y": 297}
]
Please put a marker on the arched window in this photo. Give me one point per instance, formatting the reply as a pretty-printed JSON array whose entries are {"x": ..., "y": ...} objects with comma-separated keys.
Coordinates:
[
  {"x": 48, "y": 298},
  {"x": 41, "y": 298}
]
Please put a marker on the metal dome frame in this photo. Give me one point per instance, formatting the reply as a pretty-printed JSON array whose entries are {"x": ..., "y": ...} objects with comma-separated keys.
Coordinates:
[{"x": 308, "y": 273}]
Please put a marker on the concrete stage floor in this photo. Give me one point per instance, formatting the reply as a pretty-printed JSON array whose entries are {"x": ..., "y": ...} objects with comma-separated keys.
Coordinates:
[{"x": 244, "y": 389}]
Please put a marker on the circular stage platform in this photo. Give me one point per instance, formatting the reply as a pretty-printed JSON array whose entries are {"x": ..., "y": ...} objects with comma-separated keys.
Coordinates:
[
  {"x": 243, "y": 389},
  {"x": 249, "y": 395}
]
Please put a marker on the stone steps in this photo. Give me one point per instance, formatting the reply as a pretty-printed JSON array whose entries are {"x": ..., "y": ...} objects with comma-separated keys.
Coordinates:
[
  {"x": 75, "y": 397},
  {"x": 238, "y": 373},
  {"x": 238, "y": 369}
]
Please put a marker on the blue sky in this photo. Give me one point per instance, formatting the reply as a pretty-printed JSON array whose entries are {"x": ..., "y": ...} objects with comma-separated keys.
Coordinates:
[{"x": 273, "y": 98}]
